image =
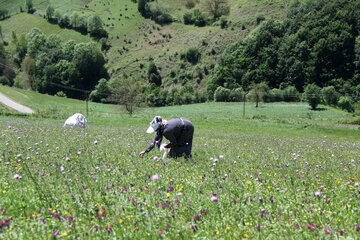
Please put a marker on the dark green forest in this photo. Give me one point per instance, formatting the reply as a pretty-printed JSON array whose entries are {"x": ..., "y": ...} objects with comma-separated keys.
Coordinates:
[{"x": 318, "y": 43}]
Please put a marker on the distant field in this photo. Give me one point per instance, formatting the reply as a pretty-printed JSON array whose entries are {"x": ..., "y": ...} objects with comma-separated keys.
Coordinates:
[{"x": 285, "y": 119}]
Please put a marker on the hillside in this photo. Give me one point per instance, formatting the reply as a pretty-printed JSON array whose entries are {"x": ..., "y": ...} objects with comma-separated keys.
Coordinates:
[{"x": 134, "y": 40}]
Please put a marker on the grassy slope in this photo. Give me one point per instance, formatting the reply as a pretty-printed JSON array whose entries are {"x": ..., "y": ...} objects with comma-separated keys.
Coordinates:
[
  {"x": 278, "y": 119},
  {"x": 135, "y": 39},
  {"x": 16, "y": 23}
]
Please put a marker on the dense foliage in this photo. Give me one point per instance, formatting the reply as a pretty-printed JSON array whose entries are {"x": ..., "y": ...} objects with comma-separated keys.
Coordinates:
[
  {"x": 317, "y": 43},
  {"x": 53, "y": 65}
]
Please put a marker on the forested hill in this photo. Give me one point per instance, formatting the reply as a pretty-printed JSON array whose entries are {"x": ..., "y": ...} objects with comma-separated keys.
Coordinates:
[
  {"x": 169, "y": 52},
  {"x": 318, "y": 43}
]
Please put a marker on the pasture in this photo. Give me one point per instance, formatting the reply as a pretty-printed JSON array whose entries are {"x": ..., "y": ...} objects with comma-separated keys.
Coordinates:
[{"x": 275, "y": 173}]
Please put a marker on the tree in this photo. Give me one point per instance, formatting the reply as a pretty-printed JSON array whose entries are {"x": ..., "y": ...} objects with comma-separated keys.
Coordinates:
[
  {"x": 312, "y": 95},
  {"x": 3, "y": 13},
  {"x": 35, "y": 41},
  {"x": 2, "y": 50},
  {"x": 29, "y": 6},
  {"x": 153, "y": 74},
  {"x": 49, "y": 12},
  {"x": 89, "y": 60},
  {"x": 330, "y": 95},
  {"x": 141, "y": 7},
  {"x": 74, "y": 20},
  {"x": 101, "y": 91},
  {"x": 127, "y": 92},
  {"x": 258, "y": 92},
  {"x": 95, "y": 26},
  {"x": 2, "y": 39},
  {"x": 216, "y": 8}
]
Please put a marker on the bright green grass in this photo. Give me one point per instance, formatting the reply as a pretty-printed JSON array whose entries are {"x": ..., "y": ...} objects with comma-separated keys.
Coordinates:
[
  {"x": 283, "y": 119},
  {"x": 92, "y": 184},
  {"x": 23, "y": 23}
]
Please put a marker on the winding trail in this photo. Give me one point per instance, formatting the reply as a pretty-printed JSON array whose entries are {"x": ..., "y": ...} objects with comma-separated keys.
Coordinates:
[{"x": 14, "y": 105}]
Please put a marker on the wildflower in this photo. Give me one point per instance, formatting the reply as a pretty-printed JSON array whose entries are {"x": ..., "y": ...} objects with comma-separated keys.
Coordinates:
[
  {"x": 67, "y": 159},
  {"x": 55, "y": 233},
  {"x": 221, "y": 157},
  {"x": 297, "y": 226},
  {"x": 357, "y": 228},
  {"x": 155, "y": 177},
  {"x": 258, "y": 227},
  {"x": 95, "y": 142},
  {"x": 213, "y": 199},
  {"x": 107, "y": 228},
  {"x": 317, "y": 193},
  {"x": 17, "y": 176},
  {"x": 328, "y": 230},
  {"x": 271, "y": 199}
]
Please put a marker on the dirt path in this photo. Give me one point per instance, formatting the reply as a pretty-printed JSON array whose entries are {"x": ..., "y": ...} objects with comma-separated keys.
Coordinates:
[{"x": 12, "y": 104}]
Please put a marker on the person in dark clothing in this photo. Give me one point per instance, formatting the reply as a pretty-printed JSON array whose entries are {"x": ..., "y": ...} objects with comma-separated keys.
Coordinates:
[{"x": 178, "y": 131}]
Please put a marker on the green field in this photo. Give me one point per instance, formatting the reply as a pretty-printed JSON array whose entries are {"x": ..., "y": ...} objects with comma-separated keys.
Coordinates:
[{"x": 273, "y": 173}]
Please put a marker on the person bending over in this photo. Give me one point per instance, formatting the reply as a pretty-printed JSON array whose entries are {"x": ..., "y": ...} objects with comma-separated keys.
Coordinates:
[{"x": 178, "y": 131}]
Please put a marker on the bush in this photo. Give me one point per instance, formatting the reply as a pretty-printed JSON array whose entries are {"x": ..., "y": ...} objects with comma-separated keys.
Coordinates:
[
  {"x": 60, "y": 94},
  {"x": 330, "y": 95},
  {"x": 290, "y": 94},
  {"x": 236, "y": 95},
  {"x": 192, "y": 55},
  {"x": 223, "y": 22},
  {"x": 276, "y": 95},
  {"x": 222, "y": 94},
  {"x": 188, "y": 18},
  {"x": 195, "y": 17},
  {"x": 190, "y": 3},
  {"x": 312, "y": 95},
  {"x": 5, "y": 81},
  {"x": 158, "y": 12},
  {"x": 345, "y": 103}
]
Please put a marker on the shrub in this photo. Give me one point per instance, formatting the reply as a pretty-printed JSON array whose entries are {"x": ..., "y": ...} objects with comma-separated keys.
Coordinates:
[
  {"x": 223, "y": 22},
  {"x": 330, "y": 95},
  {"x": 276, "y": 95},
  {"x": 192, "y": 55},
  {"x": 236, "y": 95},
  {"x": 60, "y": 94},
  {"x": 290, "y": 94},
  {"x": 188, "y": 18},
  {"x": 5, "y": 81},
  {"x": 222, "y": 94},
  {"x": 345, "y": 103},
  {"x": 190, "y": 3},
  {"x": 158, "y": 12},
  {"x": 312, "y": 95},
  {"x": 195, "y": 17}
]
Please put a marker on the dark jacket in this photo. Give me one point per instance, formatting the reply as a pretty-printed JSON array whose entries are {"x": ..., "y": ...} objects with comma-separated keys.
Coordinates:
[{"x": 179, "y": 132}]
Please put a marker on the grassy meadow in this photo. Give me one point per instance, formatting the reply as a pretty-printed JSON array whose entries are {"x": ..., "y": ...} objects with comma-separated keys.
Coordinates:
[{"x": 282, "y": 171}]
